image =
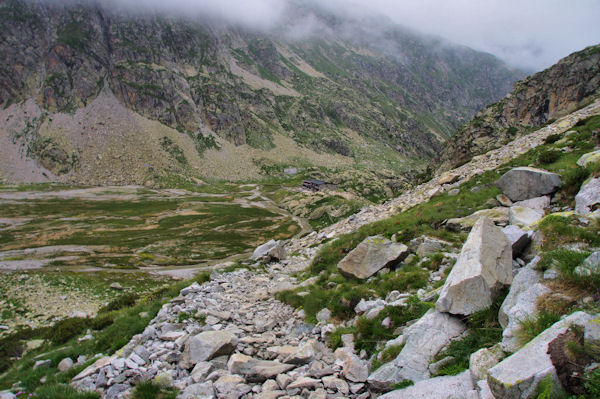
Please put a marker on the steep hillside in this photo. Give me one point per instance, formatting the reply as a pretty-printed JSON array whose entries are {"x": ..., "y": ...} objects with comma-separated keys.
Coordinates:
[
  {"x": 97, "y": 95},
  {"x": 570, "y": 84}
]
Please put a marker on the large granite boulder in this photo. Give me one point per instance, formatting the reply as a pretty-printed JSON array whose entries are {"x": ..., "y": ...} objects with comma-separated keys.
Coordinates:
[
  {"x": 256, "y": 370},
  {"x": 524, "y": 183},
  {"x": 423, "y": 340},
  {"x": 588, "y": 198},
  {"x": 520, "y": 303},
  {"x": 269, "y": 251},
  {"x": 519, "y": 375},
  {"x": 205, "y": 346},
  {"x": 452, "y": 387},
  {"x": 370, "y": 256},
  {"x": 482, "y": 269}
]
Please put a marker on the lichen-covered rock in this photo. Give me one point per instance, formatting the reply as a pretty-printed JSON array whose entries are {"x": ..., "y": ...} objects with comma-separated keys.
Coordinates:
[
  {"x": 499, "y": 215},
  {"x": 524, "y": 183},
  {"x": 518, "y": 376},
  {"x": 370, "y": 256},
  {"x": 589, "y": 158},
  {"x": 522, "y": 216},
  {"x": 423, "y": 340},
  {"x": 484, "y": 359},
  {"x": 590, "y": 266},
  {"x": 453, "y": 387},
  {"x": 483, "y": 268},
  {"x": 588, "y": 197}
]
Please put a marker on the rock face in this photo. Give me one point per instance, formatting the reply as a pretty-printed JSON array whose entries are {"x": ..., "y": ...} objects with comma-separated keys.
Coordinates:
[
  {"x": 271, "y": 250},
  {"x": 552, "y": 93},
  {"x": 370, "y": 256},
  {"x": 454, "y": 387},
  {"x": 588, "y": 197},
  {"x": 483, "y": 267},
  {"x": 519, "y": 375},
  {"x": 423, "y": 340},
  {"x": 520, "y": 303},
  {"x": 524, "y": 183}
]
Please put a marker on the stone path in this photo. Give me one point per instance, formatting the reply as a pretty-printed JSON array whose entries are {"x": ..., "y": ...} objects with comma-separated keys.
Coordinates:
[{"x": 250, "y": 346}]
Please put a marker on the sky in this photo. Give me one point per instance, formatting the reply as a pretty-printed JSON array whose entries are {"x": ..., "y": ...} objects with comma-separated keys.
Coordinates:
[{"x": 530, "y": 34}]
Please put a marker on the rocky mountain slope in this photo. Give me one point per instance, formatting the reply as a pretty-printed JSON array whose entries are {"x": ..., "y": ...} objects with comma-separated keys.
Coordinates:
[
  {"x": 545, "y": 96},
  {"x": 93, "y": 94}
]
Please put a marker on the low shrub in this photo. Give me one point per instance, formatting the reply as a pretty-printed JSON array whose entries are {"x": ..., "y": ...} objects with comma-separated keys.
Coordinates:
[
  {"x": 152, "y": 390},
  {"x": 551, "y": 139},
  {"x": 125, "y": 300},
  {"x": 546, "y": 157},
  {"x": 64, "y": 330},
  {"x": 532, "y": 326}
]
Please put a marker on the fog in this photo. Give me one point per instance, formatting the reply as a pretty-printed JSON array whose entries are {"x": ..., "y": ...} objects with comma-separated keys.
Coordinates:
[{"x": 531, "y": 34}]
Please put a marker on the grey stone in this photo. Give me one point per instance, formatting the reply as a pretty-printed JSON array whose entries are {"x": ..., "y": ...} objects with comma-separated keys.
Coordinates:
[
  {"x": 42, "y": 363},
  {"x": 518, "y": 239},
  {"x": 354, "y": 369},
  {"x": 201, "y": 371},
  {"x": 270, "y": 394},
  {"x": 537, "y": 203},
  {"x": 336, "y": 384},
  {"x": 305, "y": 353},
  {"x": 504, "y": 200},
  {"x": 454, "y": 387},
  {"x": 523, "y": 183},
  {"x": 198, "y": 391},
  {"x": 519, "y": 375},
  {"x": 590, "y": 266},
  {"x": 205, "y": 346},
  {"x": 304, "y": 382},
  {"x": 319, "y": 393},
  {"x": 269, "y": 251},
  {"x": 422, "y": 341},
  {"x": 523, "y": 216},
  {"x": 591, "y": 335},
  {"x": 434, "y": 368},
  {"x": 370, "y": 256},
  {"x": 65, "y": 364},
  {"x": 499, "y": 215},
  {"x": 283, "y": 380},
  {"x": 482, "y": 269},
  {"x": 484, "y": 359},
  {"x": 256, "y": 370},
  {"x": 323, "y": 315},
  {"x": 520, "y": 303},
  {"x": 114, "y": 391},
  {"x": 425, "y": 245},
  {"x": 589, "y": 158}
]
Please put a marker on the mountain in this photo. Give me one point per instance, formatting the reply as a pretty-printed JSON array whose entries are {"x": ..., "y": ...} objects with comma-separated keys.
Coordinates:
[
  {"x": 557, "y": 91},
  {"x": 98, "y": 95}
]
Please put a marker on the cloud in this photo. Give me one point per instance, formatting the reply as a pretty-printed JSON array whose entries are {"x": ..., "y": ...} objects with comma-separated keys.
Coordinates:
[{"x": 531, "y": 34}]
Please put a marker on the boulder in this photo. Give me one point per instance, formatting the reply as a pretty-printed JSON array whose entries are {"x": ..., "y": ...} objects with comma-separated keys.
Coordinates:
[
  {"x": 484, "y": 359},
  {"x": 518, "y": 239},
  {"x": 504, "y": 200},
  {"x": 524, "y": 183},
  {"x": 453, "y": 387},
  {"x": 589, "y": 158},
  {"x": 498, "y": 215},
  {"x": 449, "y": 178},
  {"x": 269, "y": 251},
  {"x": 588, "y": 197},
  {"x": 205, "y": 346},
  {"x": 522, "y": 216},
  {"x": 519, "y": 375},
  {"x": 305, "y": 353},
  {"x": 323, "y": 315},
  {"x": 354, "y": 369},
  {"x": 255, "y": 370},
  {"x": 65, "y": 364},
  {"x": 370, "y": 256},
  {"x": 590, "y": 266},
  {"x": 422, "y": 341},
  {"x": 425, "y": 245},
  {"x": 482, "y": 269},
  {"x": 538, "y": 203},
  {"x": 520, "y": 303}
]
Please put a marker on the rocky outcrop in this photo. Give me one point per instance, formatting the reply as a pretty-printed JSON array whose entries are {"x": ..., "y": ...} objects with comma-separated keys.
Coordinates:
[
  {"x": 371, "y": 255},
  {"x": 524, "y": 183},
  {"x": 588, "y": 198},
  {"x": 483, "y": 268},
  {"x": 547, "y": 95},
  {"x": 423, "y": 340}
]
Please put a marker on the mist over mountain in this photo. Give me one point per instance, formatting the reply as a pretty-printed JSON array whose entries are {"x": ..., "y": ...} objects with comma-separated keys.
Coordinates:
[{"x": 97, "y": 92}]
